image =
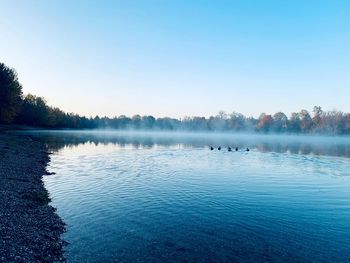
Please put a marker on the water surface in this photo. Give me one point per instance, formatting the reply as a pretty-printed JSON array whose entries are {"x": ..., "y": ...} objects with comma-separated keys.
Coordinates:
[{"x": 168, "y": 198}]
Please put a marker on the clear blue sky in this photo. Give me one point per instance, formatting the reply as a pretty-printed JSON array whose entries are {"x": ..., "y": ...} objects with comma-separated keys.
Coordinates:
[{"x": 180, "y": 57}]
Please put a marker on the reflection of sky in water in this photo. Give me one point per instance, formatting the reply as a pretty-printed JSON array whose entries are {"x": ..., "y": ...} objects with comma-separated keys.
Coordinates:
[{"x": 163, "y": 198}]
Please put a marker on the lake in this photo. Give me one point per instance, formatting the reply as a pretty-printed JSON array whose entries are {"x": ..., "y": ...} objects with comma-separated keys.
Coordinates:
[{"x": 166, "y": 197}]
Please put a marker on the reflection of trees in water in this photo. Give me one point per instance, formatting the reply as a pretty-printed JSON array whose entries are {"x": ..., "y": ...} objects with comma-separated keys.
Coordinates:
[
  {"x": 57, "y": 140},
  {"x": 305, "y": 148}
]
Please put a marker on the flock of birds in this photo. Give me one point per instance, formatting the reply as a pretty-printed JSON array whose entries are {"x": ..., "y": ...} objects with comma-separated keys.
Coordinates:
[{"x": 228, "y": 148}]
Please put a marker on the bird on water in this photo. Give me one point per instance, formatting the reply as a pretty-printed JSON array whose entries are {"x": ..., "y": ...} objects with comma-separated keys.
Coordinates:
[
  {"x": 229, "y": 149},
  {"x": 219, "y": 148}
]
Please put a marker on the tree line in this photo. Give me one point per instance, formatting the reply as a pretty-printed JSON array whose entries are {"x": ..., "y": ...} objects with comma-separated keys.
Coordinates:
[{"x": 31, "y": 110}]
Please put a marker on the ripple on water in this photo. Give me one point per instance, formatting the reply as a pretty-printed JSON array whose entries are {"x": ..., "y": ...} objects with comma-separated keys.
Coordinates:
[{"x": 191, "y": 204}]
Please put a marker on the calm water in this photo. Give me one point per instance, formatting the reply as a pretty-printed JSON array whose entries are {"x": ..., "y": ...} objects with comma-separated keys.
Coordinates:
[{"x": 168, "y": 198}]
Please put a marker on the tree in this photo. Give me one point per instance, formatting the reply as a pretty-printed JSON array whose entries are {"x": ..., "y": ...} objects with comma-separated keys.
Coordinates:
[
  {"x": 136, "y": 121},
  {"x": 317, "y": 119},
  {"x": 346, "y": 121},
  {"x": 280, "y": 122},
  {"x": 148, "y": 122},
  {"x": 236, "y": 121},
  {"x": 222, "y": 115},
  {"x": 265, "y": 122},
  {"x": 294, "y": 123},
  {"x": 34, "y": 111},
  {"x": 10, "y": 94},
  {"x": 305, "y": 121},
  {"x": 56, "y": 117}
]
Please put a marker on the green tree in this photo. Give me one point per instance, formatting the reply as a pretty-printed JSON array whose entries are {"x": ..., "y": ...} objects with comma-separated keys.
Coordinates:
[{"x": 10, "y": 94}]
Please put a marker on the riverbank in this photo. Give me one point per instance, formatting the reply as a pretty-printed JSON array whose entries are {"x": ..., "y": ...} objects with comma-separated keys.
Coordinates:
[{"x": 30, "y": 229}]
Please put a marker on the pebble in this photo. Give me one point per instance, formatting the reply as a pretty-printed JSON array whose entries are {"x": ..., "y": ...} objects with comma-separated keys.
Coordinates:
[{"x": 30, "y": 230}]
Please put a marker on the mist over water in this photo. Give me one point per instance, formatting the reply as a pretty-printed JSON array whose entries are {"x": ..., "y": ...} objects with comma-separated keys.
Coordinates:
[
  {"x": 166, "y": 197},
  {"x": 295, "y": 144}
]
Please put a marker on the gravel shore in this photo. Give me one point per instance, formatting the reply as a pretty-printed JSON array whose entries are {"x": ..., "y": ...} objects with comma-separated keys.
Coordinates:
[{"x": 30, "y": 229}]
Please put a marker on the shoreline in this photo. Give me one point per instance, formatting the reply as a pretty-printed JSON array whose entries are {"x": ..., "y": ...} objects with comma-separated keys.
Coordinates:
[{"x": 30, "y": 229}]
